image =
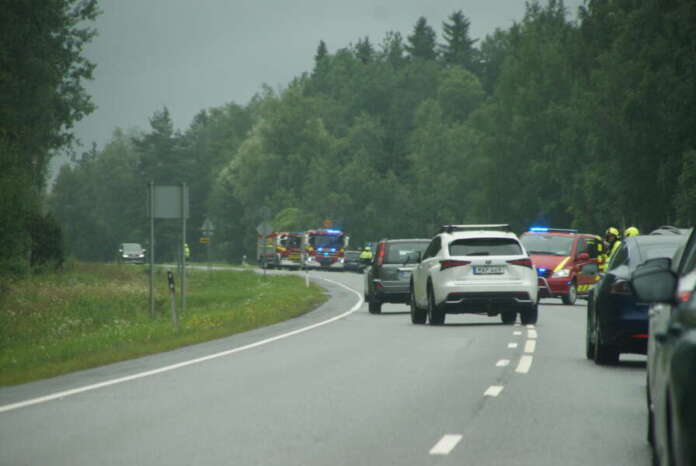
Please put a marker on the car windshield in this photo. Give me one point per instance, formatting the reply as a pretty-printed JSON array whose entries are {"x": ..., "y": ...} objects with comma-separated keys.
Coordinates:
[
  {"x": 132, "y": 248},
  {"x": 401, "y": 252},
  {"x": 547, "y": 244},
  {"x": 485, "y": 247},
  {"x": 327, "y": 241},
  {"x": 352, "y": 254}
]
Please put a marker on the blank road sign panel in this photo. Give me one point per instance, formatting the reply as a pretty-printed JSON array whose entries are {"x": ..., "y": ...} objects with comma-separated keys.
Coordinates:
[{"x": 167, "y": 202}]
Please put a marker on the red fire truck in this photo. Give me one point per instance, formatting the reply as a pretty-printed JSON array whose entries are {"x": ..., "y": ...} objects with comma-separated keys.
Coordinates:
[
  {"x": 279, "y": 249},
  {"x": 324, "y": 248}
]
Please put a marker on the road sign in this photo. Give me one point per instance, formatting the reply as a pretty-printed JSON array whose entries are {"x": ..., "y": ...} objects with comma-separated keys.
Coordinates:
[
  {"x": 204, "y": 240},
  {"x": 208, "y": 228},
  {"x": 264, "y": 228}
]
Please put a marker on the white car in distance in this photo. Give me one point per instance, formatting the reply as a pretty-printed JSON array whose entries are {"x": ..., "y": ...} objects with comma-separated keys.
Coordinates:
[{"x": 474, "y": 269}]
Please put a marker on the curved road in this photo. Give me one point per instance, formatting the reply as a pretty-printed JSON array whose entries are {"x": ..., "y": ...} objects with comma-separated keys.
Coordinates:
[{"x": 361, "y": 389}]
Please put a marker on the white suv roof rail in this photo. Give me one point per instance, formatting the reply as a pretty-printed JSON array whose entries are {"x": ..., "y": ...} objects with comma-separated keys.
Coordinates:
[{"x": 496, "y": 227}]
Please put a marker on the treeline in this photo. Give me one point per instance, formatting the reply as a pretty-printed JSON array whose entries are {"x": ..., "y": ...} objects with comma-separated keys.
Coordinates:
[
  {"x": 585, "y": 124},
  {"x": 41, "y": 96}
]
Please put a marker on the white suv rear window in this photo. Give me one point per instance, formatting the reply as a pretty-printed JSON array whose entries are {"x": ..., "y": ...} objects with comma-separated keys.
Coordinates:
[{"x": 485, "y": 247}]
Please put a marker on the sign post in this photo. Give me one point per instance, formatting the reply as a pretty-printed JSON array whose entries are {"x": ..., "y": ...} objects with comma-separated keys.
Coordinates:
[
  {"x": 208, "y": 229},
  {"x": 150, "y": 210},
  {"x": 168, "y": 202}
]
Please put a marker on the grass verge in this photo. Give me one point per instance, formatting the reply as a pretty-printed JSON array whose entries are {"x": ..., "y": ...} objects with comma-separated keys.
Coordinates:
[{"x": 94, "y": 314}]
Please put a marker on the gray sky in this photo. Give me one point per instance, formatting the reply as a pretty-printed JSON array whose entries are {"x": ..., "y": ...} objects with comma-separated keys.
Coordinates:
[{"x": 190, "y": 55}]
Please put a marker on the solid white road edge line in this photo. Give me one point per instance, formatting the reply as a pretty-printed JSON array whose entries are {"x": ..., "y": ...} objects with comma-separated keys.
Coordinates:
[
  {"x": 502, "y": 363},
  {"x": 140, "y": 375},
  {"x": 493, "y": 390},
  {"x": 531, "y": 333},
  {"x": 512, "y": 345},
  {"x": 525, "y": 364},
  {"x": 517, "y": 333},
  {"x": 530, "y": 346},
  {"x": 446, "y": 444}
]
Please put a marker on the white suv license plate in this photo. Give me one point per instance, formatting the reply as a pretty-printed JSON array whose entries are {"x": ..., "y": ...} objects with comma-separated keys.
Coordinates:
[{"x": 489, "y": 269}]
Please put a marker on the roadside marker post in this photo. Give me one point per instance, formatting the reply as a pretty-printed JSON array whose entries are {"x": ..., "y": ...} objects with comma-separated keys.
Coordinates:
[
  {"x": 172, "y": 294},
  {"x": 306, "y": 278}
]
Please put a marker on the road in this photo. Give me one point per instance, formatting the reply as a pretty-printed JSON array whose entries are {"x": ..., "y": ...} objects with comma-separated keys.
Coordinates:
[{"x": 359, "y": 390}]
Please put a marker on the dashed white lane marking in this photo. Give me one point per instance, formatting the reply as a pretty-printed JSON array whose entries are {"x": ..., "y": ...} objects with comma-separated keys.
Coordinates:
[
  {"x": 140, "y": 375},
  {"x": 493, "y": 390},
  {"x": 512, "y": 345},
  {"x": 517, "y": 333},
  {"x": 502, "y": 363},
  {"x": 446, "y": 444},
  {"x": 530, "y": 346},
  {"x": 525, "y": 364},
  {"x": 531, "y": 333}
]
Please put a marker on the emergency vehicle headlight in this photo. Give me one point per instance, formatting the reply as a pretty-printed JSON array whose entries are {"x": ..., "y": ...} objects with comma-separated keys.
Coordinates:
[
  {"x": 539, "y": 229},
  {"x": 561, "y": 273}
]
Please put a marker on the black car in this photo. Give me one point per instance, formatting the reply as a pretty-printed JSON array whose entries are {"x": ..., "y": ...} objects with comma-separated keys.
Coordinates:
[
  {"x": 670, "y": 287},
  {"x": 616, "y": 321},
  {"x": 388, "y": 277},
  {"x": 351, "y": 261}
]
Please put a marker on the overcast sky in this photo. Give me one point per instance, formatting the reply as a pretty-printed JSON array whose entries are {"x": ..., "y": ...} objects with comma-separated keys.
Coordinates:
[{"x": 190, "y": 55}]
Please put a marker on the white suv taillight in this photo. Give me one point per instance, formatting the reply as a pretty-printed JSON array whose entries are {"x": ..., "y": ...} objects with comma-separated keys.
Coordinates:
[
  {"x": 527, "y": 262},
  {"x": 449, "y": 263}
]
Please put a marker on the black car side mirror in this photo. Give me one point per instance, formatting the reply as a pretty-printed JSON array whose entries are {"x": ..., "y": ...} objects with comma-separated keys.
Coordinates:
[{"x": 654, "y": 281}]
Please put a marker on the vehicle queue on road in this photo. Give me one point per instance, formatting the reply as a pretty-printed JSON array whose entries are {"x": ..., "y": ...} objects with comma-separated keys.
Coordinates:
[{"x": 641, "y": 299}]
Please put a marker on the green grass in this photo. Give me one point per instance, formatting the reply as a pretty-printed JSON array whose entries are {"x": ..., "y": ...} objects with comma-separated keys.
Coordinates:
[{"x": 94, "y": 314}]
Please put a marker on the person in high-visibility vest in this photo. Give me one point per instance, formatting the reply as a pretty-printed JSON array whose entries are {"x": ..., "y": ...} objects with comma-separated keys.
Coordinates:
[
  {"x": 366, "y": 255},
  {"x": 613, "y": 242},
  {"x": 631, "y": 231}
]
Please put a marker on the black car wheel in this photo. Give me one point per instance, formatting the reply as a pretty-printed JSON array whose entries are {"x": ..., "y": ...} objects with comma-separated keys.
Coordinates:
[
  {"x": 589, "y": 344},
  {"x": 508, "y": 317},
  {"x": 651, "y": 418},
  {"x": 436, "y": 315},
  {"x": 603, "y": 353},
  {"x": 530, "y": 315},
  {"x": 374, "y": 306},
  {"x": 572, "y": 295},
  {"x": 418, "y": 316}
]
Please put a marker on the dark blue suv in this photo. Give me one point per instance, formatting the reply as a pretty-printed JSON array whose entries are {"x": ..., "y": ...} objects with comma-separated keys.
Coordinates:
[{"x": 616, "y": 321}]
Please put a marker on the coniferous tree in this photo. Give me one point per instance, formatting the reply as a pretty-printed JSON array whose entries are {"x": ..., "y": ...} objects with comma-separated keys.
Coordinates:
[
  {"x": 459, "y": 47},
  {"x": 421, "y": 44},
  {"x": 364, "y": 50}
]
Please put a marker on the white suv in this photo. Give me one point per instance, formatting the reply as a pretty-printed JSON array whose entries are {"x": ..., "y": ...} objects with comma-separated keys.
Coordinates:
[{"x": 474, "y": 269}]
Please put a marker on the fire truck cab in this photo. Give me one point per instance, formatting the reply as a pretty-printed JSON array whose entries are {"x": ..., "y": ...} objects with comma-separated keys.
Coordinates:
[
  {"x": 324, "y": 248},
  {"x": 280, "y": 249},
  {"x": 566, "y": 261}
]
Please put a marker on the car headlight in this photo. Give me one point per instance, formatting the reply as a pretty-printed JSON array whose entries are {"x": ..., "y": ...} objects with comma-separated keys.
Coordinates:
[
  {"x": 561, "y": 273},
  {"x": 124, "y": 256}
]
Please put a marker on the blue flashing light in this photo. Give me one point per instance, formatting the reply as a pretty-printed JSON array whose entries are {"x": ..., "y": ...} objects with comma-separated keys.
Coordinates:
[
  {"x": 326, "y": 254},
  {"x": 333, "y": 232},
  {"x": 333, "y": 249},
  {"x": 539, "y": 229}
]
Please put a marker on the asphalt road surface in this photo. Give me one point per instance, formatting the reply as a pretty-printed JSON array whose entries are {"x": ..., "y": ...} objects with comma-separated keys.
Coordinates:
[{"x": 360, "y": 389}]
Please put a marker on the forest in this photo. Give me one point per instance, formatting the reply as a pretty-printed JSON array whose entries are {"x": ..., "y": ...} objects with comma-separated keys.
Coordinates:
[{"x": 584, "y": 123}]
